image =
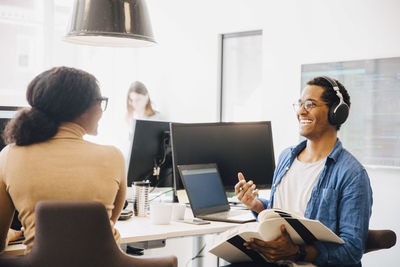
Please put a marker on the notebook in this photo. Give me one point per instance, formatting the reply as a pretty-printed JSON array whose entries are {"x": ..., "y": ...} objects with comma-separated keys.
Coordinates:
[{"x": 207, "y": 196}]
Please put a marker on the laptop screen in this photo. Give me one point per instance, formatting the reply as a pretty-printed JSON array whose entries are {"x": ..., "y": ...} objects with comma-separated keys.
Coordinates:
[{"x": 203, "y": 186}]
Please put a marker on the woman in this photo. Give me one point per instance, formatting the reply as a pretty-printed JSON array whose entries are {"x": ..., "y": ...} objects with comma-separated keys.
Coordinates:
[
  {"x": 138, "y": 104},
  {"x": 47, "y": 158}
]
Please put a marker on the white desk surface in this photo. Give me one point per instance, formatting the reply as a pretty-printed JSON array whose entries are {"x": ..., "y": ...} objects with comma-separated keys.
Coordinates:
[{"x": 137, "y": 229}]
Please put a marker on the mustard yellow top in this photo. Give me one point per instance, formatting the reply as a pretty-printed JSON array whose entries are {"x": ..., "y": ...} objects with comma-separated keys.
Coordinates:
[{"x": 65, "y": 167}]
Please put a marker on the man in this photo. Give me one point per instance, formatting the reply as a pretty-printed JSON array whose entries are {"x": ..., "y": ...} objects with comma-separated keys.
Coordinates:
[{"x": 318, "y": 179}]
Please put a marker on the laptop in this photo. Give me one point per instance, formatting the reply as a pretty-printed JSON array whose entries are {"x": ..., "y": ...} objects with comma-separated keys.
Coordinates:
[{"x": 207, "y": 196}]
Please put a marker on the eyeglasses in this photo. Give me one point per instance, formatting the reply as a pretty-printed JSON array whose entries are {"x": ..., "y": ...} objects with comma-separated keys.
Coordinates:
[
  {"x": 308, "y": 105},
  {"x": 103, "y": 102}
]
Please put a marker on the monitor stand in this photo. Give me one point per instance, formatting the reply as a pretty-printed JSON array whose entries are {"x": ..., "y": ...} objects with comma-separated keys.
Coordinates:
[{"x": 175, "y": 198}]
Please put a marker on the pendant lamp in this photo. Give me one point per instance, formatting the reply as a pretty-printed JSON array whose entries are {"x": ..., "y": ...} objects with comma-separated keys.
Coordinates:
[{"x": 119, "y": 23}]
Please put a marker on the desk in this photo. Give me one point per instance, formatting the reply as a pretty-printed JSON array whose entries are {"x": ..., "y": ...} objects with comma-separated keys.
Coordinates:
[
  {"x": 14, "y": 250},
  {"x": 138, "y": 229}
]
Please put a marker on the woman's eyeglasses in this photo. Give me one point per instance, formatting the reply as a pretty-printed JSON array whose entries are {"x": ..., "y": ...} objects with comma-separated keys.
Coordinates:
[{"x": 103, "y": 102}]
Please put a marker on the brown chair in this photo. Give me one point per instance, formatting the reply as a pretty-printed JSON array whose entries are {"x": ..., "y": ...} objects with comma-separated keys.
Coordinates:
[
  {"x": 380, "y": 239},
  {"x": 77, "y": 234}
]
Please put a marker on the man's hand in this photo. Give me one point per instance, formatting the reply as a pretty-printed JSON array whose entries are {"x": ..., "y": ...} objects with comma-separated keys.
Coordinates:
[
  {"x": 282, "y": 248},
  {"x": 246, "y": 192}
]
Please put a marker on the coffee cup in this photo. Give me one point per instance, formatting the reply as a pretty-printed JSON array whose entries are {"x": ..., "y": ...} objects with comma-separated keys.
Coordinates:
[
  {"x": 178, "y": 211},
  {"x": 160, "y": 213}
]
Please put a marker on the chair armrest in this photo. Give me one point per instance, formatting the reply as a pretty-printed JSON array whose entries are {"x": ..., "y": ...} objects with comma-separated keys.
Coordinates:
[{"x": 380, "y": 239}]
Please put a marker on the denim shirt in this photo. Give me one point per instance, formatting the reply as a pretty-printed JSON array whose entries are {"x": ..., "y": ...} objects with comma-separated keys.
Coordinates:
[{"x": 341, "y": 200}]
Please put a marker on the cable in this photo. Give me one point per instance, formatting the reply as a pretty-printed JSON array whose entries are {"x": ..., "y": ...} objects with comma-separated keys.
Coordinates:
[
  {"x": 163, "y": 193},
  {"x": 164, "y": 148},
  {"x": 197, "y": 255},
  {"x": 159, "y": 162},
  {"x": 160, "y": 180}
]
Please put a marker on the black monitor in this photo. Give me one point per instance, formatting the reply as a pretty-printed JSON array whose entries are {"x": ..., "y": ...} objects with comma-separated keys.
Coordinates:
[
  {"x": 6, "y": 113},
  {"x": 150, "y": 157},
  {"x": 235, "y": 146}
]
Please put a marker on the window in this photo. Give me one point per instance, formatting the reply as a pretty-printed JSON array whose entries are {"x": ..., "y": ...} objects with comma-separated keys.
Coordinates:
[
  {"x": 32, "y": 42},
  {"x": 27, "y": 47},
  {"x": 241, "y": 76}
]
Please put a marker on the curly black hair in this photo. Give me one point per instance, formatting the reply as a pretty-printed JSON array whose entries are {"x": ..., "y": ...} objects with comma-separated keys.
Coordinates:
[{"x": 58, "y": 95}]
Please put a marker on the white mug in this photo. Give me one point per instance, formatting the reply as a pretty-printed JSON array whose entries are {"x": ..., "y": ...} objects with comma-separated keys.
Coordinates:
[
  {"x": 160, "y": 213},
  {"x": 178, "y": 211}
]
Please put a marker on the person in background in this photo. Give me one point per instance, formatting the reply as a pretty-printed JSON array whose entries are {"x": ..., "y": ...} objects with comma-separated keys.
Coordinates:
[
  {"x": 317, "y": 179},
  {"x": 46, "y": 157},
  {"x": 138, "y": 104}
]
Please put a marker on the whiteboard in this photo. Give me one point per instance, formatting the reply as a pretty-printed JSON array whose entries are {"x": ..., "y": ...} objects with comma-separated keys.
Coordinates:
[{"x": 372, "y": 131}]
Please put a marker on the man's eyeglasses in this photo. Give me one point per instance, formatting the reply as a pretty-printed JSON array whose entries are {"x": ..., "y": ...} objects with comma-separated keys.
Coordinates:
[
  {"x": 103, "y": 102},
  {"x": 308, "y": 105}
]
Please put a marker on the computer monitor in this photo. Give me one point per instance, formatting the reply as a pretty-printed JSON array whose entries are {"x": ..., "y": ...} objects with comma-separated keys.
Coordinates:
[
  {"x": 6, "y": 113},
  {"x": 150, "y": 157},
  {"x": 235, "y": 147}
]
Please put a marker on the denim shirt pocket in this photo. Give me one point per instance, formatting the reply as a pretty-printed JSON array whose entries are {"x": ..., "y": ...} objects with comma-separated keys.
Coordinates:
[{"x": 327, "y": 206}]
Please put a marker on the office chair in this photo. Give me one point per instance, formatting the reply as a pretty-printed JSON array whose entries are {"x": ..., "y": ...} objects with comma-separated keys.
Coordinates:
[
  {"x": 380, "y": 239},
  {"x": 72, "y": 233}
]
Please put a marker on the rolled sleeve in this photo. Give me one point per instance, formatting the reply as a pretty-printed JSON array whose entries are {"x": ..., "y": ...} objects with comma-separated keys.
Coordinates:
[{"x": 265, "y": 204}]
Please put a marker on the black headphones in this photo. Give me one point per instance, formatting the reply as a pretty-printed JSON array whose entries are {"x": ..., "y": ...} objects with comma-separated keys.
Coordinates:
[{"x": 339, "y": 112}]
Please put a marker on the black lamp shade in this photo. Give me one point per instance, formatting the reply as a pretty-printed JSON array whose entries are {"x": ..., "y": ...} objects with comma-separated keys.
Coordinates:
[{"x": 122, "y": 23}]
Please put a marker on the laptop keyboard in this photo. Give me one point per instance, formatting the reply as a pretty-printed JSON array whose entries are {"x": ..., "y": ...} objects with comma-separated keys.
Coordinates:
[{"x": 227, "y": 214}]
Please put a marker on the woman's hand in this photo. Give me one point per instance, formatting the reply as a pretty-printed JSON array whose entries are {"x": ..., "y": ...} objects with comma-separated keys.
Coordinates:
[{"x": 13, "y": 235}]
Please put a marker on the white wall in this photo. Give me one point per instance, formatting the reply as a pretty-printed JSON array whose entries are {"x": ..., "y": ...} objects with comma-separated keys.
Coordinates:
[
  {"x": 385, "y": 185},
  {"x": 183, "y": 69}
]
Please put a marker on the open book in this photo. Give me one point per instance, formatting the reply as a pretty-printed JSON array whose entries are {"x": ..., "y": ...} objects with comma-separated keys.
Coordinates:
[{"x": 229, "y": 245}]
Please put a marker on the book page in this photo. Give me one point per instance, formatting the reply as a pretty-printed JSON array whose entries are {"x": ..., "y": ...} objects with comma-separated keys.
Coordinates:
[
  {"x": 247, "y": 235},
  {"x": 222, "y": 237},
  {"x": 226, "y": 245},
  {"x": 275, "y": 213},
  {"x": 271, "y": 230}
]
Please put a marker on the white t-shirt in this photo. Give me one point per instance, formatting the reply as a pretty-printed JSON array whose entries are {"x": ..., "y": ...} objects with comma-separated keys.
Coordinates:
[{"x": 294, "y": 191}]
